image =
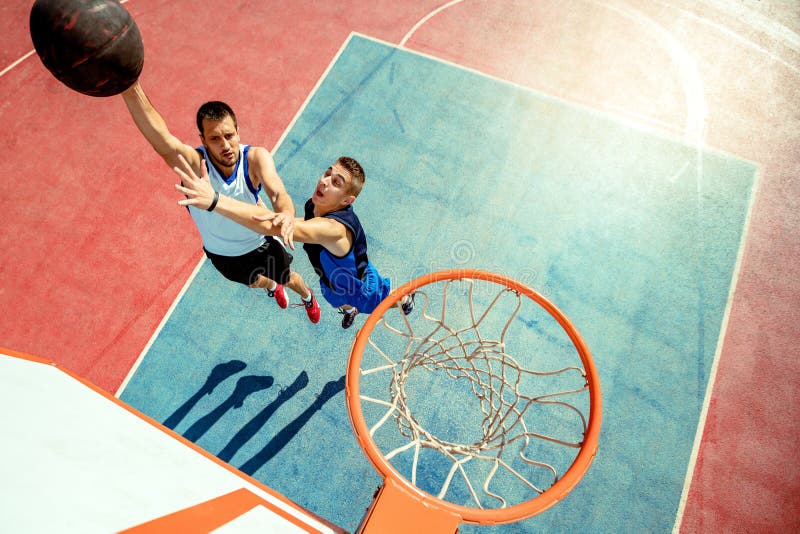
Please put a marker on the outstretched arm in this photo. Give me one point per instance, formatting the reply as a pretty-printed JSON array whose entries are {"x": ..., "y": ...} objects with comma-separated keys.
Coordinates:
[
  {"x": 329, "y": 233},
  {"x": 262, "y": 166},
  {"x": 200, "y": 194},
  {"x": 155, "y": 130}
]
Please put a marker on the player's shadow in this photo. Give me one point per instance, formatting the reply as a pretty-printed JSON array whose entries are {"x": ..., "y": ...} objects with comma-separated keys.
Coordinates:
[
  {"x": 218, "y": 374},
  {"x": 256, "y": 423},
  {"x": 245, "y": 386},
  {"x": 285, "y": 435}
]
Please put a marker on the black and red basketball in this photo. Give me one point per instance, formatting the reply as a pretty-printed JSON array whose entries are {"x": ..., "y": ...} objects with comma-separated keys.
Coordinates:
[{"x": 92, "y": 46}]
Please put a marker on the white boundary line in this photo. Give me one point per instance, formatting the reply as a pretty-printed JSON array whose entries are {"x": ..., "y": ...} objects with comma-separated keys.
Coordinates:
[
  {"x": 17, "y": 62},
  {"x": 692, "y": 85},
  {"x": 715, "y": 363},
  {"x": 29, "y": 54},
  {"x": 425, "y": 19},
  {"x": 755, "y": 19},
  {"x": 631, "y": 120},
  {"x": 313, "y": 92},
  {"x": 696, "y": 109},
  {"x": 160, "y": 326},
  {"x": 774, "y": 31},
  {"x": 712, "y": 377}
]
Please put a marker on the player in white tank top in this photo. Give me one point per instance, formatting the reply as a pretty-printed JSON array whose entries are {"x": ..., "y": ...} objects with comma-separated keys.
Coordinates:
[
  {"x": 221, "y": 235},
  {"x": 240, "y": 171}
]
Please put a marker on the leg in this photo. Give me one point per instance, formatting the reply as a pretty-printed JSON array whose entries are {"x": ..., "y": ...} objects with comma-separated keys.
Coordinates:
[
  {"x": 348, "y": 315},
  {"x": 270, "y": 270},
  {"x": 308, "y": 301},
  {"x": 297, "y": 285},
  {"x": 262, "y": 282},
  {"x": 407, "y": 303},
  {"x": 272, "y": 288}
]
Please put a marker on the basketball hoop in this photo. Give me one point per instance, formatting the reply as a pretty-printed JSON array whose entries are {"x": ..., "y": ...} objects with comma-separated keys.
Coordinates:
[{"x": 483, "y": 406}]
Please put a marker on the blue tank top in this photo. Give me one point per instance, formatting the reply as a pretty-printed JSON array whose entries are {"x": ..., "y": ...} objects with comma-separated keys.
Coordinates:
[{"x": 354, "y": 262}]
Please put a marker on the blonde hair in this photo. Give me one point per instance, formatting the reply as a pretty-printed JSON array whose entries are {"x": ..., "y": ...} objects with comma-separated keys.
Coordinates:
[{"x": 356, "y": 173}]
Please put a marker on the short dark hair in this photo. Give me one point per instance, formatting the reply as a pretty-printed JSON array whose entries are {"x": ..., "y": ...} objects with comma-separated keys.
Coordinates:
[
  {"x": 356, "y": 172},
  {"x": 214, "y": 111}
]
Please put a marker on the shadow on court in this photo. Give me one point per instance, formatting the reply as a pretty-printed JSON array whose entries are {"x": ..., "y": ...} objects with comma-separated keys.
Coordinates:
[{"x": 244, "y": 388}]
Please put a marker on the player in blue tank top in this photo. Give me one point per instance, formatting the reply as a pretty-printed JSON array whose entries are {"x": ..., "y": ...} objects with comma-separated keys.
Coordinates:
[{"x": 333, "y": 237}]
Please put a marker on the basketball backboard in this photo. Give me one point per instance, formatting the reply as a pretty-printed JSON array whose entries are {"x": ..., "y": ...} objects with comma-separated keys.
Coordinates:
[{"x": 78, "y": 460}]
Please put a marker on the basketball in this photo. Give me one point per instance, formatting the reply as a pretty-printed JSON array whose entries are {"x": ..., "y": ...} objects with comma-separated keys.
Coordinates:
[{"x": 91, "y": 46}]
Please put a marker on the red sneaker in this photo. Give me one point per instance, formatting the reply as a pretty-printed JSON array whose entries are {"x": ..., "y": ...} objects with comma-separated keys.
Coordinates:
[
  {"x": 280, "y": 296},
  {"x": 312, "y": 308}
]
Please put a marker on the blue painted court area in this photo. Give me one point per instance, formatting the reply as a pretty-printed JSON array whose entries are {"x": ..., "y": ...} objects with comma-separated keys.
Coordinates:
[{"x": 634, "y": 236}]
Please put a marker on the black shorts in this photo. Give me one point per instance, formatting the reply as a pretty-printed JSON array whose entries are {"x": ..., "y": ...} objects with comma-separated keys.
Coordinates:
[{"x": 270, "y": 259}]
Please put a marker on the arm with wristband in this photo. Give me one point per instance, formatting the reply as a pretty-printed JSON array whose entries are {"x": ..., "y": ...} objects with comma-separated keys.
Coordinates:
[{"x": 198, "y": 191}]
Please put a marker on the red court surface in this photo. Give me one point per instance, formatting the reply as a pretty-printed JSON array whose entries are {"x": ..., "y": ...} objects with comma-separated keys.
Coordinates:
[{"x": 96, "y": 251}]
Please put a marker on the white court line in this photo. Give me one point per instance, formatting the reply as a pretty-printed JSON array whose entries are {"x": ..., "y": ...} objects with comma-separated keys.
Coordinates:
[
  {"x": 27, "y": 55},
  {"x": 697, "y": 110},
  {"x": 160, "y": 326},
  {"x": 632, "y": 119},
  {"x": 312, "y": 93},
  {"x": 712, "y": 378},
  {"x": 781, "y": 34},
  {"x": 425, "y": 19},
  {"x": 693, "y": 87},
  {"x": 775, "y": 30},
  {"x": 17, "y": 62}
]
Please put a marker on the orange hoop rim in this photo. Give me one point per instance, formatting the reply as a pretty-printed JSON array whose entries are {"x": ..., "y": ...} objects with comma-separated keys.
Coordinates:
[{"x": 513, "y": 513}]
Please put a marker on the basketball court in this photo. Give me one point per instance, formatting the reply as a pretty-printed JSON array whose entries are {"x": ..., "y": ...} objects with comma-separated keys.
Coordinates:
[{"x": 630, "y": 161}]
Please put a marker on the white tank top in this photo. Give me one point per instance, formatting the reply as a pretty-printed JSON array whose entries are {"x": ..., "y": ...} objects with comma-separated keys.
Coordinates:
[{"x": 221, "y": 235}]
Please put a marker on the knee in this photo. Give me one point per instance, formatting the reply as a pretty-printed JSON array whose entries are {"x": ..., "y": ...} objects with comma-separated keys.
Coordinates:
[{"x": 259, "y": 282}]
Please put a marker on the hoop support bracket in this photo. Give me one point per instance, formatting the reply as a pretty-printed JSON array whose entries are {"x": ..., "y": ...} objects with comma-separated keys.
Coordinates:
[{"x": 395, "y": 511}]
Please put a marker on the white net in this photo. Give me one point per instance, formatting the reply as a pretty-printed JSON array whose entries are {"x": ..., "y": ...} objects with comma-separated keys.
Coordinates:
[{"x": 479, "y": 397}]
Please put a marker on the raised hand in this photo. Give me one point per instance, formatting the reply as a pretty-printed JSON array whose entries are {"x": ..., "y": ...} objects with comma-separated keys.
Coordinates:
[
  {"x": 284, "y": 220},
  {"x": 197, "y": 189}
]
